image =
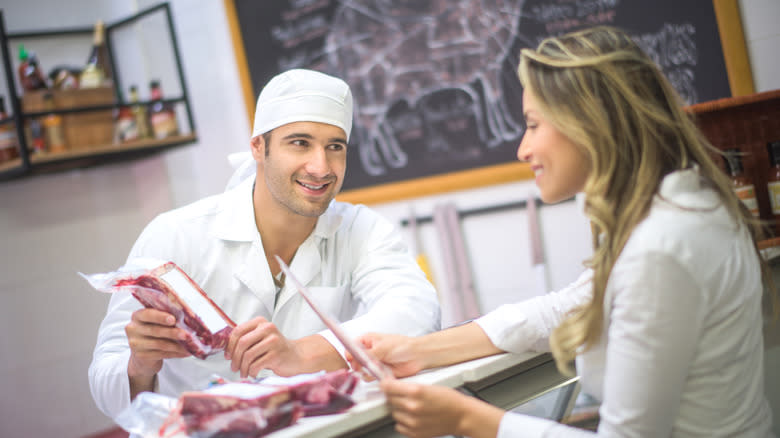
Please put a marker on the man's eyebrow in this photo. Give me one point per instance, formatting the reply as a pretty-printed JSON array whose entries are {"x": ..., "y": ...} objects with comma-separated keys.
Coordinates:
[
  {"x": 309, "y": 137},
  {"x": 297, "y": 135}
]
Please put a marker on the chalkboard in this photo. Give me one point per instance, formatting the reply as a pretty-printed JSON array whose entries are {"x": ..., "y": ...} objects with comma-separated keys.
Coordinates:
[{"x": 437, "y": 99}]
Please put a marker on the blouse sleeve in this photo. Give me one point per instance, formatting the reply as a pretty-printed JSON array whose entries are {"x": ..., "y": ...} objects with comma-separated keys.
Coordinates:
[
  {"x": 527, "y": 325},
  {"x": 655, "y": 324}
]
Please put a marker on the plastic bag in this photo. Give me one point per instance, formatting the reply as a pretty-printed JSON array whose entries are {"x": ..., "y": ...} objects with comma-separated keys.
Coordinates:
[
  {"x": 164, "y": 286},
  {"x": 233, "y": 409}
]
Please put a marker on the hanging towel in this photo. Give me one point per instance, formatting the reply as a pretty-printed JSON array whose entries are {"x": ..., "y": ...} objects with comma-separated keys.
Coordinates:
[
  {"x": 459, "y": 295},
  {"x": 463, "y": 267},
  {"x": 537, "y": 252},
  {"x": 452, "y": 305}
]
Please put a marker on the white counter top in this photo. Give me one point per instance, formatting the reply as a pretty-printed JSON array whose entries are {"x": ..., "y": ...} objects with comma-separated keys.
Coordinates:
[{"x": 521, "y": 377}]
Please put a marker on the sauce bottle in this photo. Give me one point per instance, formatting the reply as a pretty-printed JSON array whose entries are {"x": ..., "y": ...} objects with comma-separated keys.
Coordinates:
[
  {"x": 37, "y": 144},
  {"x": 139, "y": 112},
  {"x": 743, "y": 186},
  {"x": 9, "y": 148},
  {"x": 161, "y": 114},
  {"x": 30, "y": 74},
  {"x": 773, "y": 183},
  {"x": 125, "y": 128}
]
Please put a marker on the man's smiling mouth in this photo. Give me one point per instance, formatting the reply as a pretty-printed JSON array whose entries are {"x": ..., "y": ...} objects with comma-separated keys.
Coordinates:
[{"x": 313, "y": 187}]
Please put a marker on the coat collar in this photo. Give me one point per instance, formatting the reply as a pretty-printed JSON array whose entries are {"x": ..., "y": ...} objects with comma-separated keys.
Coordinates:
[
  {"x": 687, "y": 188},
  {"x": 235, "y": 221}
]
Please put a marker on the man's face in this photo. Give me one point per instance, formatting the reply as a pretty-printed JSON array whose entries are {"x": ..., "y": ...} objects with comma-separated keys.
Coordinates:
[{"x": 302, "y": 167}]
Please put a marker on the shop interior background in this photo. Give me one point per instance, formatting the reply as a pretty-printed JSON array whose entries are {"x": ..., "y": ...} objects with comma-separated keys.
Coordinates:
[{"x": 56, "y": 225}]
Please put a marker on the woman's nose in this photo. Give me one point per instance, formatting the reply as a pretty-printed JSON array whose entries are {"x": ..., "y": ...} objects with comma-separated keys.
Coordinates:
[{"x": 523, "y": 151}]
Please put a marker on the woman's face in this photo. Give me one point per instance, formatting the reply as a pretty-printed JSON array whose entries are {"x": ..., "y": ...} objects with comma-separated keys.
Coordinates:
[{"x": 560, "y": 166}]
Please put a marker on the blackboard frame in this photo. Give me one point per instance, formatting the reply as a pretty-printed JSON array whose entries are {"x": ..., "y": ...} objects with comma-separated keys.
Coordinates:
[{"x": 737, "y": 68}]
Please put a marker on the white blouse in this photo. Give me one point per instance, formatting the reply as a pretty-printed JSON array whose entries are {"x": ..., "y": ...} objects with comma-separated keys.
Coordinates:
[{"x": 681, "y": 353}]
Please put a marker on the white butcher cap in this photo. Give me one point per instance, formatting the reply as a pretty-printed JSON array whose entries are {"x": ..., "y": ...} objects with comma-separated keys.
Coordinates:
[
  {"x": 303, "y": 96},
  {"x": 295, "y": 96}
]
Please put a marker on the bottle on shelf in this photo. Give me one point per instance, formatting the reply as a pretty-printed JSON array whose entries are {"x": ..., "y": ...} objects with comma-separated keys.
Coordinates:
[
  {"x": 140, "y": 114},
  {"x": 773, "y": 183},
  {"x": 9, "y": 148},
  {"x": 743, "y": 186},
  {"x": 30, "y": 75},
  {"x": 124, "y": 125},
  {"x": 161, "y": 115},
  {"x": 37, "y": 138},
  {"x": 52, "y": 124},
  {"x": 98, "y": 68}
]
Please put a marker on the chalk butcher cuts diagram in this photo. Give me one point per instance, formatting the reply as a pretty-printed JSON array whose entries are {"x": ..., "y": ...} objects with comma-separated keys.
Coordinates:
[
  {"x": 406, "y": 54},
  {"x": 434, "y": 81}
]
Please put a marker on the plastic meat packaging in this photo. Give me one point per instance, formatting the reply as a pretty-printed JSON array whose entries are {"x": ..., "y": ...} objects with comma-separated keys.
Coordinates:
[
  {"x": 249, "y": 408},
  {"x": 164, "y": 286}
]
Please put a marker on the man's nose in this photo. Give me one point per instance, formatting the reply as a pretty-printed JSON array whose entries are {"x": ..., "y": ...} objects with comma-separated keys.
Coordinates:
[{"x": 318, "y": 164}]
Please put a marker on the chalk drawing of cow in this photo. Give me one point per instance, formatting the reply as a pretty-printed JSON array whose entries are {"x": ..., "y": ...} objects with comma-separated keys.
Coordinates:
[{"x": 391, "y": 50}]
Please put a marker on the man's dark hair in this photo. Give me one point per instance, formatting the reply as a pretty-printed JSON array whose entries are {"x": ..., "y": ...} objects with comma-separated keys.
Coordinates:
[{"x": 267, "y": 141}]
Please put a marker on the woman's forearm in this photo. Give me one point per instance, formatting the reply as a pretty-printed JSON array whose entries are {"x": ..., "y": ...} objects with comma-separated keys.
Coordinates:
[{"x": 454, "y": 345}]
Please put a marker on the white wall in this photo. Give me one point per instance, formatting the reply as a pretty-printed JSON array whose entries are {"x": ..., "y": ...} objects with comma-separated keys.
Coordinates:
[{"x": 86, "y": 220}]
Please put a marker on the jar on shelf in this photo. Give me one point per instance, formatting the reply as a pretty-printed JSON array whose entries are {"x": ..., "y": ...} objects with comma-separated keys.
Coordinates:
[{"x": 52, "y": 125}]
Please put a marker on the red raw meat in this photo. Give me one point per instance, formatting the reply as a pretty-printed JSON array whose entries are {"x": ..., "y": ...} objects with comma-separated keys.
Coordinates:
[
  {"x": 244, "y": 409},
  {"x": 235, "y": 410},
  {"x": 154, "y": 292},
  {"x": 323, "y": 394}
]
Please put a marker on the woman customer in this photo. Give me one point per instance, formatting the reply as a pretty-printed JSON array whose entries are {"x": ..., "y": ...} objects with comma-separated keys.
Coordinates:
[{"x": 665, "y": 327}]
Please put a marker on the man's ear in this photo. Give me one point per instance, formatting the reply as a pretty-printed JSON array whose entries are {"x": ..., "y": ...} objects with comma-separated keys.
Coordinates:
[{"x": 258, "y": 147}]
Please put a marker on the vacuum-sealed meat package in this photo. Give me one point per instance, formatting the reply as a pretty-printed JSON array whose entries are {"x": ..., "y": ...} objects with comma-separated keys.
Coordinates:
[
  {"x": 248, "y": 408},
  {"x": 319, "y": 393},
  {"x": 236, "y": 410},
  {"x": 166, "y": 287}
]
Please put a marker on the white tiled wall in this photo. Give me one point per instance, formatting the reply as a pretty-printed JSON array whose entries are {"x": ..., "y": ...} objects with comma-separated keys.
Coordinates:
[
  {"x": 762, "y": 35},
  {"x": 53, "y": 226}
]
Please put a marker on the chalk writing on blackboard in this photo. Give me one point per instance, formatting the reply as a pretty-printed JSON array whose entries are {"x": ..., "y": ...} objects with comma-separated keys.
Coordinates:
[{"x": 434, "y": 81}]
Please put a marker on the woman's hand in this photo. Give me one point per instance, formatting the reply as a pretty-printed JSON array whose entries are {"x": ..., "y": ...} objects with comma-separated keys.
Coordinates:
[
  {"x": 395, "y": 351},
  {"x": 428, "y": 411}
]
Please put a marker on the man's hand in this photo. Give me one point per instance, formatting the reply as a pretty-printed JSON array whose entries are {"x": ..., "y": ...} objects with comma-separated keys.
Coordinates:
[
  {"x": 258, "y": 344},
  {"x": 152, "y": 337}
]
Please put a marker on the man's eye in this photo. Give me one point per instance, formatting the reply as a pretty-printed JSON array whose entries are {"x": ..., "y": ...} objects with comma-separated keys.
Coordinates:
[
  {"x": 299, "y": 142},
  {"x": 337, "y": 147}
]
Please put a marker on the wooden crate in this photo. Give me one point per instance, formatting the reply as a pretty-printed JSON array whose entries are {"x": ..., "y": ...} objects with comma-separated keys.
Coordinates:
[{"x": 81, "y": 130}]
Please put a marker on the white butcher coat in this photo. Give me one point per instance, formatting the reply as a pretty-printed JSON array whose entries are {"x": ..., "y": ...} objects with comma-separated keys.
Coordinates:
[{"x": 355, "y": 263}]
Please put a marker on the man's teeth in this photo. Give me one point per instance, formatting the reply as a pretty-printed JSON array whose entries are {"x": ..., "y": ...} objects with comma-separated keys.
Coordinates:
[{"x": 311, "y": 187}]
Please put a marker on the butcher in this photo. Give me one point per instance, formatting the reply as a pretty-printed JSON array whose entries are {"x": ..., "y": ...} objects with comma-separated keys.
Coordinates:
[{"x": 279, "y": 202}]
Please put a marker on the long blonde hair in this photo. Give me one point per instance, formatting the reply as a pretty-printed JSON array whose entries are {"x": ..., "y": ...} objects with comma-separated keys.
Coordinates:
[{"x": 599, "y": 89}]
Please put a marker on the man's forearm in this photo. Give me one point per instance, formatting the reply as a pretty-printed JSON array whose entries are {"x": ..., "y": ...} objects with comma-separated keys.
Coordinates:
[
  {"x": 139, "y": 384},
  {"x": 318, "y": 354}
]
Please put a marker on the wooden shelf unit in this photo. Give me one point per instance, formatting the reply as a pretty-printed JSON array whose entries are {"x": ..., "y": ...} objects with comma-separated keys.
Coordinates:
[{"x": 747, "y": 123}]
